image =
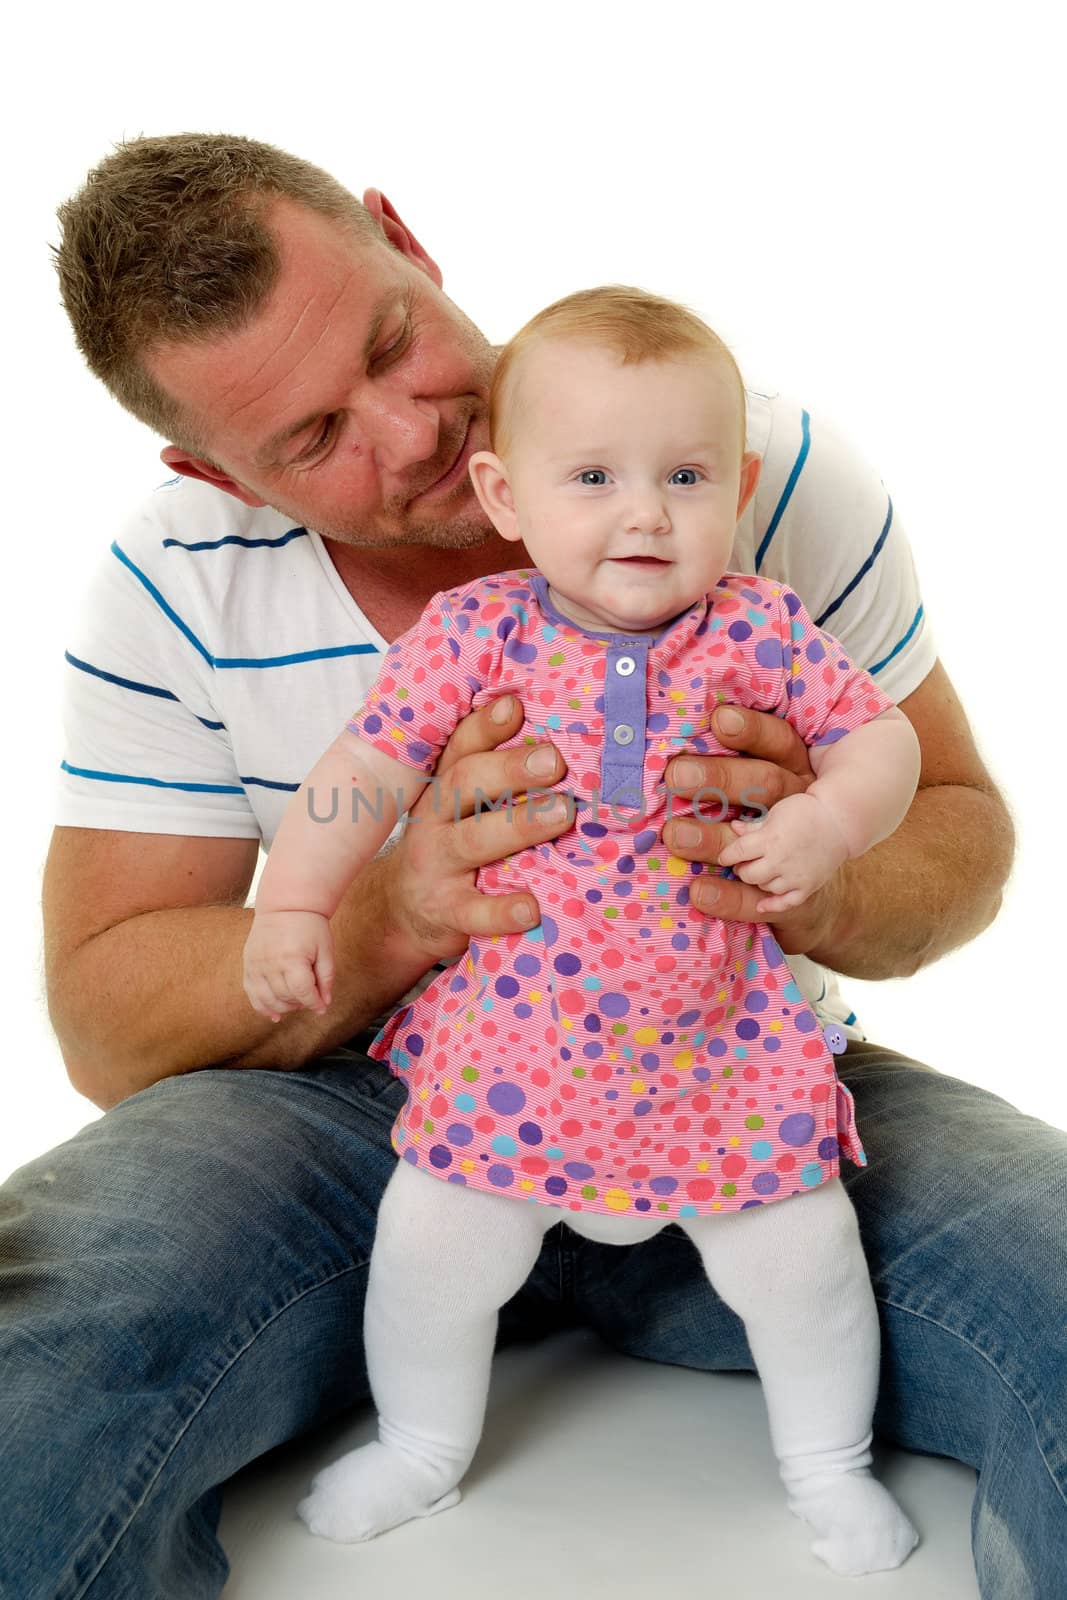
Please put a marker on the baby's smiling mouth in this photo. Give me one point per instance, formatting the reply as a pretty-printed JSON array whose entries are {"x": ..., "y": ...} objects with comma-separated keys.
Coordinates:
[{"x": 642, "y": 561}]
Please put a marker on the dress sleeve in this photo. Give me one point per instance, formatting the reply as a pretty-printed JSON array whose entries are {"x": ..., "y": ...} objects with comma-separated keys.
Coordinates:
[
  {"x": 423, "y": 688},
  {"x": 824, "y": 694}
]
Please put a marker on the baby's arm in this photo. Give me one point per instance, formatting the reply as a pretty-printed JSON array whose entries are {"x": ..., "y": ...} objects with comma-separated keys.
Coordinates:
[
  {"x": 325, "y": 838},
  {"x": 864, "y": 783}
]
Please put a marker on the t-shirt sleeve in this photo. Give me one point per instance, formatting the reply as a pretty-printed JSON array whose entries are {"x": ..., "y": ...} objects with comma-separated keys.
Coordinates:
[
  {"x": 422, "y": 690},
  {"x": 827, "y": 526},
  {"x": 144, "y": 750},
  {"x": 824, "y": 695}
]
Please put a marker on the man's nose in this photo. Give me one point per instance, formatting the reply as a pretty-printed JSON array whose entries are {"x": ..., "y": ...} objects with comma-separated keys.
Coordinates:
[{"x": 398, "y": 429}]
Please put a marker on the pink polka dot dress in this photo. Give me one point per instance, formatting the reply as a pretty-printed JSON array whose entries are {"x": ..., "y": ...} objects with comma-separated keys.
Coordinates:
[{"x": 629, "y": 1055}]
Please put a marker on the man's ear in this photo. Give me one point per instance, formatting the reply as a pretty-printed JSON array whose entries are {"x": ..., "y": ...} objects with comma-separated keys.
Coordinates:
[
  {"x": 398, "y": 234},
  {"x": 188, "y": 466},
  {"x": 751, "y": 466},
  {"x": 490, "y": 478}
]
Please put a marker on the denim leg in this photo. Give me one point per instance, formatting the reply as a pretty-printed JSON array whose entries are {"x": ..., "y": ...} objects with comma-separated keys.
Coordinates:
[
  {"x": 963, "y": 1215},
  {"x": 181, "y": 1289}
]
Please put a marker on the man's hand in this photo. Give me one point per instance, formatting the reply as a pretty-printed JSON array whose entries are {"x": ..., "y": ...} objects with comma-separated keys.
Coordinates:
[
  {"x": 433, "y": 903},
  {"x": 774, "y": 765}
]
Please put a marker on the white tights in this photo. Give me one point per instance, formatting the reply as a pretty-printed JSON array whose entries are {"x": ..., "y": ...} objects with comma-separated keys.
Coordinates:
[{"x": 447, "y": 1257}]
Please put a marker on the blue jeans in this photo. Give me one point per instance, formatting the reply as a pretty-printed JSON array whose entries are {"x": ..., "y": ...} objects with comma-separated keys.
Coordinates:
[{"x": 182, "y": 1289}]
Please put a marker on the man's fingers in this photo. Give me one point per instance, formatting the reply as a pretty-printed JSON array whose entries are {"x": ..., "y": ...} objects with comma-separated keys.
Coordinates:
[
  {"x": 482, "y": 730},
  {"x": 492, "y": 835},
  {"x": 759, "y": 733},
  {"x": 480, "y": 915},
  {"x": 484, "y": 781},
  {"x": 726, "y": 897}
]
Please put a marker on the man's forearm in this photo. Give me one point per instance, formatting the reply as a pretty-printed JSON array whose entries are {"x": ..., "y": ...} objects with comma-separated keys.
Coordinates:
[
  {"x": 931, "y": 886},
  {"x": 163, "y": 994}
]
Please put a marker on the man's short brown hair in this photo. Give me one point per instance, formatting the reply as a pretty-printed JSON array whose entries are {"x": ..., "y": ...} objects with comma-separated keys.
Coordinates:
[{"x": 166, "y": 242}]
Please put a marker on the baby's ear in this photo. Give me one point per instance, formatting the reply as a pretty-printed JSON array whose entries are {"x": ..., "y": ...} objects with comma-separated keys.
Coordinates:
[{"x": 489, "y": 476}]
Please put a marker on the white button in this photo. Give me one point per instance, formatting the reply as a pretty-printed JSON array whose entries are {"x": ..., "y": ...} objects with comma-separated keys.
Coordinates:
[
  {"x": 623, "y": 734},
  {"x": 625, "y": 665}
]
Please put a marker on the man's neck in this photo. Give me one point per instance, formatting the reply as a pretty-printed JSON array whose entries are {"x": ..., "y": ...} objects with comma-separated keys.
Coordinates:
[{"x": 393, "y": 585}]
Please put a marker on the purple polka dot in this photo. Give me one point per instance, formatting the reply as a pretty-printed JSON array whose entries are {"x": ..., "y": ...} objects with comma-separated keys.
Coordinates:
[
  {"x": 814, "y": 650},
  {"x": 645, "y": 840},
  {"x": 829, "y": 1150},
  {"x": 658, "y": 722},
  {"x": 550, "y": 929},
  {"x": 515, "y": 650},
  {"x": 804, "y": 1022},
  {"x": 747, "y": 1028},
  {"x": 769, "y": 654},
  {"x": 459, "y": 1133},
  {"x": 567, "y": 964},
  {"x": 530, "y": 1133},
  {"x": 772, "y": 951},
  {"x": 372, "y": 724},
  {"x": 755, "y": 1000},
  {"x": 506, "y": 1099},
  {"x": 501, "y": 1177},
  {"x": 797, "y": 1129},
  {"x": 613, "y": 1005},
  {"x": 766, "y": 1183},
  {"x": 556, "y": 1186},
  {"x": 414, "y": 1044},
  {"x": 528, "y": 966},
  {"x": 577, "y": 1169},
  {"x": 663, "y": 1186},
  {"x": 440, "y": 1156},
  {"x": 739, "y": 631},
  {"x": 792, "y": 603},
  {"x": 506, "y": 986}
]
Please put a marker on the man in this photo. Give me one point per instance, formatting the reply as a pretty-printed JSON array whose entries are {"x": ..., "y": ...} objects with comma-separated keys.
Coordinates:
[{"x": 191, "y": 1268}]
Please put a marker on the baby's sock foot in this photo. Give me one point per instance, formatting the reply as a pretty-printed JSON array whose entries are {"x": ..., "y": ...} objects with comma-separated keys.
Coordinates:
[
  {"x": 860, "y": 1526},
  {"x": 373, "y": 1489}
]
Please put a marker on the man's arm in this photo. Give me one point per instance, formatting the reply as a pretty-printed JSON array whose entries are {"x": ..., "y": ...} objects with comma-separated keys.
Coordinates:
[
  {"x": 144, "y": 932},
  {"x": 931, "y": 886}
]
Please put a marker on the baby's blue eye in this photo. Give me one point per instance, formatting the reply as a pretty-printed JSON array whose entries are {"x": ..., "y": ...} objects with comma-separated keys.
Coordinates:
[
  {"x": 692, "y": 476},
  {"x": 593, "y": 472}
]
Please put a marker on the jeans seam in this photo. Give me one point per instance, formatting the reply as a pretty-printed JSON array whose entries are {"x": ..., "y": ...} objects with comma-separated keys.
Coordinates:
[
  {"x": 313, "y": 1288},
  {"x": 922, "y": 1316}
]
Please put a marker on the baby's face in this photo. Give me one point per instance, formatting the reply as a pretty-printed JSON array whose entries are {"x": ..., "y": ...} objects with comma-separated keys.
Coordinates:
[{"x": 625, "y": 480}]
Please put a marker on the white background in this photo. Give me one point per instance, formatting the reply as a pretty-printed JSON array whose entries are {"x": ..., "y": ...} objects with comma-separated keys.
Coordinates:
[{"x": 864, "y": 199}]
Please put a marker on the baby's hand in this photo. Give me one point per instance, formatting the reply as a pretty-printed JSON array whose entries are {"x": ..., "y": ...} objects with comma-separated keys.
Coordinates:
[
  {"x": 791, "y": 852},
  {"x": 288, "y": 963}
]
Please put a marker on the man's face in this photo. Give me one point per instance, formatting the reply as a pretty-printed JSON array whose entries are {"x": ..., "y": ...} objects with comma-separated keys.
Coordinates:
[
  {"x": 353, "y": 400},
  {"x": 626, "y": 480}
]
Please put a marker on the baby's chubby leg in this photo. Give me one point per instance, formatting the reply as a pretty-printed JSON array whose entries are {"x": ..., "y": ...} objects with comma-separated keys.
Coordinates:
[
  {"x": 795, "y": 1273},
  {"x": 445, "y": 1259}
]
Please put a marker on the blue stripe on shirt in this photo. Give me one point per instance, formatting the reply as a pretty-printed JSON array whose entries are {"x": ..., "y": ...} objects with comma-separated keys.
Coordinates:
[
  {"x": 787, "y": 492},
  {"x": 271, "y": 783},
  {"x": 233, "y": 538},
  {"x": 131, "y": 683},
  {"x": 862, "y": 573},
  {"x": 899, "y": 645},
  {"x": 154, "y": 783},
  {"x": 221, "y": 662}
]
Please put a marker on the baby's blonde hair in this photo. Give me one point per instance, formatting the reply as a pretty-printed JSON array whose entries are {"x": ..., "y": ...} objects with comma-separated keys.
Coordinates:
[{"x": 634, "y": 324}]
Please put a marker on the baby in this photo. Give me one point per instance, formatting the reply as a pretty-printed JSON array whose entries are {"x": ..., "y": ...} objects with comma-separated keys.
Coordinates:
[{"x": 628, "y": 1062}]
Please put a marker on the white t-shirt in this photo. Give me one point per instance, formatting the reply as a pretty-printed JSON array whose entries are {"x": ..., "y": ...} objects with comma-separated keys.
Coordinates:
[{"x": 218, "y": 652}]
